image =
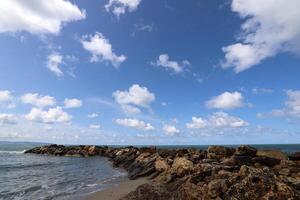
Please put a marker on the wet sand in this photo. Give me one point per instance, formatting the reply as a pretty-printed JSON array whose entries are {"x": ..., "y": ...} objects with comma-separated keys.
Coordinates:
[{"x": 119, "y": 191}]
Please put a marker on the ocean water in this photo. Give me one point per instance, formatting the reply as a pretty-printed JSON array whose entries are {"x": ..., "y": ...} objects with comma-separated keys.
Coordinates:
[{"x": 30, "y": 177}]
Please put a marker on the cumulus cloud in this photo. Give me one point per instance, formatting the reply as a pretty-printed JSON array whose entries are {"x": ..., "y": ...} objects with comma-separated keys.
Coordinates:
[
  {"x": 119, "y": 7},
  {"x": 226, "y": 100},
  {"x": 165, "y": 62},
  {"x": 291, "y": 105},
  {"x": 52, "y": 115},
  {"x": 197, "y": 123},
  {"x": 101, "y": 49},
  {"x": 72, "y": 103},
  {"x": 37, "y": 17},
  {"x": 5, "y": 95},
  {"x": 94, "y": 126},
  {"x": 38, "y": 100},
  {"x": 270, "y": 27},
  {"x": 217, "y": 120},
  {"x": 53, "y": 63},
  {"x": 135, "y": 123},
  {"x": 170, "y": 130},
  {"x": 134, "y": 98},
  {"x": 7, "y": 119},
  {"x": 93, "y": 115}
]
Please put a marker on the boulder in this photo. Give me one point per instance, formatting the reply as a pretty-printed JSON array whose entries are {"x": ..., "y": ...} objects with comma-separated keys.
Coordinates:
[
  {"x": 270, "y": 162},
  {"x": 272, "y": 154},
  {"x": 217, "y": 152},
  {"x": 217, "y": 187},
  {"x": 161, "y": 165},
  {"x": 181, "y": 165},
  {"x": 245, "y": 150}
]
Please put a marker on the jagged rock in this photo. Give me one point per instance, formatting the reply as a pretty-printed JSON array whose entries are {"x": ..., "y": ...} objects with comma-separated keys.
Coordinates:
[
  {"x": 217, "y": 152},
  {"x": 161, "y": 165},
  {"x": 272, "y": 154},
  {"x": 245, "y": 150},
  {"x": 181, "y": 165},
  {"x": 217, "y": 188},
  {"x": 185, "y": 174},
  {"x": 268, "y": 161}
]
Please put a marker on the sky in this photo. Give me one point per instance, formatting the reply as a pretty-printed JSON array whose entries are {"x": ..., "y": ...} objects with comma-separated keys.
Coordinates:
[{"x": 150, "y": 72}]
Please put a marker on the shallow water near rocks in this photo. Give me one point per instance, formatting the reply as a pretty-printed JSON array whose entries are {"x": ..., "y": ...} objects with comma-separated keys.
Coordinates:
[{"x": 27, "y": 176}]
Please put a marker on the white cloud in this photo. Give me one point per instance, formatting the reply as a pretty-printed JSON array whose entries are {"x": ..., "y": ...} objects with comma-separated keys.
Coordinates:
[
  {"x": 5, "y": 95},
  {"x": 7, "y": 99},
  {"x": 197, "y": 123},
  {"x": 170, "y": 130},
  {"x": 135, "y": 123},
  {"x": 226, "y": 100},
  {"x": 134, "y": 98},
  {"x": 118, "y": 7},
  {"x": 7, "y": 119},
  {"x": 94, "y": 126},
  {"x": 292, "y": 105},
  {"x": 52, "y": 115},
  {"x": 270, "y": 27},
  {"x": 53, "y": 63},
  {"x": 93, "y": 115},
  {"x": 72, "y": 103},
  {"x": 217, "y": 120},
  {"x": 101, "y": 49},
  {"x": 163, "y": 61},
  {"x": 37, "y": 17},
  {"x": 262, "y": 91},
  {"x": 38, "y": 100}
]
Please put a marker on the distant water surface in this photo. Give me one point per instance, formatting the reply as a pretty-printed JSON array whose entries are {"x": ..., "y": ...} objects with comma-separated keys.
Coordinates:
[{"x": 31, "y": 177}]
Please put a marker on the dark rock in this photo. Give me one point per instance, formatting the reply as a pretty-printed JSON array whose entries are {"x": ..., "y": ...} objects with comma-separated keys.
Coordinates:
[
  {"x": 218, "y": 152},
  {"x": 295, "y": 156},
  {"x": 270, "y": 162},
  {"x": 245, "y": 150}
]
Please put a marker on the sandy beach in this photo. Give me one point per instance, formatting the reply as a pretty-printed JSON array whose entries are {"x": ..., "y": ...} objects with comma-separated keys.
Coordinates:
[{"x": 119, "y": 191}]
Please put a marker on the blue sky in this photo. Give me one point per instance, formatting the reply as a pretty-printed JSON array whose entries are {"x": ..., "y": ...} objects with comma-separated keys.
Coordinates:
[{"x": 150, "y": 72}]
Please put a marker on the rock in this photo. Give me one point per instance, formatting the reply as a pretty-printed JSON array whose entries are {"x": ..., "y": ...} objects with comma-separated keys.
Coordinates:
[
  {"x": 181, "y": 165},
  {"x": 240, "y": 160},
  {"x": 245, "y": 150},
  {"x": 295, "y": 156},
  {"x": 161, "y": 165},
  {"x": 270, "y": 162},
  {"x": 217, "y": 152},
  {"x": 189, "y": 174},
  {"x": 92, "y": 150},
  {"x": 217, "y": 187},
  {"x": 272, "y": 154}
]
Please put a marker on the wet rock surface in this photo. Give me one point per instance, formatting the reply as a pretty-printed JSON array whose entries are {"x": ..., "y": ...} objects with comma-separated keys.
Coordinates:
[{"x": 220, "y": 173}]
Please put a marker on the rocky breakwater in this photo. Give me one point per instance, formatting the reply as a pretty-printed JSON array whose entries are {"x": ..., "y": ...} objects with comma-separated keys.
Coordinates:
[{"x": 244, "y": 173}]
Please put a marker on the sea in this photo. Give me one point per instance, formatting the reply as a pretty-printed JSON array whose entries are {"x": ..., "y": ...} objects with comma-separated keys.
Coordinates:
[{"x": 31, "y": 177}]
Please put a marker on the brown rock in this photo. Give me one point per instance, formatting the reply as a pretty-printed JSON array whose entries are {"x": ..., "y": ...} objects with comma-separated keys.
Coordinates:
[
  {"x": 272, "y": 154},
  {"x": 181, "y": 165},
  {"x": 217, "y": 187},
  {"x": 161, "y": 165}
]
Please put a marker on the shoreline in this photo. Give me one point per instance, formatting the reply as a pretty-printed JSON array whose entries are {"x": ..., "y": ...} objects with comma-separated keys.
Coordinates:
[
  {"x": 118, "y": 191},
  {"x": 220, "y": 172}
]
